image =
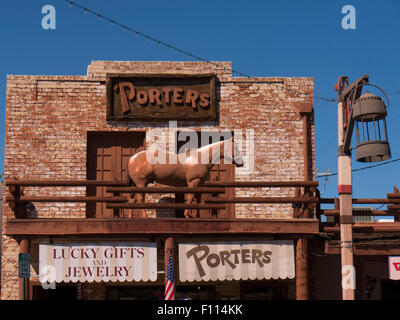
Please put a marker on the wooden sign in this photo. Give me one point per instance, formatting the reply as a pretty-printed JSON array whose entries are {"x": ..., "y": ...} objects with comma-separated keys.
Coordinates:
[
  {"x": 24, "y": 265},
  {"x": 99, "y": 261},
  {"x": 161, "y": 97},
  {"x": 244, "y": 260}
]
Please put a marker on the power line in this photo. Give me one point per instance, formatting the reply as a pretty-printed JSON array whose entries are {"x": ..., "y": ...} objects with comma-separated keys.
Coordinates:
[
  {"x": 180, "y": 51},
  {"x": 359, "y": 169}
]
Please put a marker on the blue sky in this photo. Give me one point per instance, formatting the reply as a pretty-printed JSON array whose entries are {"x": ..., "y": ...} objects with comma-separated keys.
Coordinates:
[{"x": 261, "y": 38}]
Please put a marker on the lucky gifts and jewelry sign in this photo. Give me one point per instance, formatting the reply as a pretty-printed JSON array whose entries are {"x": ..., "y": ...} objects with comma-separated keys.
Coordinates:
[
  {"x": 211, "y": 261},
  {"x": 98, "y": 262},
  {"x": 160, "y": 97}
]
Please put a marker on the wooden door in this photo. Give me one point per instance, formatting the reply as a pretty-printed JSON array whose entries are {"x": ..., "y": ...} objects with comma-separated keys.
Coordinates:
[
  {"x": 108, "y": 154},
  {"x": 219, "y": 172}
]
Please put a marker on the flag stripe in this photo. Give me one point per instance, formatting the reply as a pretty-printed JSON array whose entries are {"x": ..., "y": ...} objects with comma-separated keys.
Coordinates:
[{"x": 170, "y": 281}]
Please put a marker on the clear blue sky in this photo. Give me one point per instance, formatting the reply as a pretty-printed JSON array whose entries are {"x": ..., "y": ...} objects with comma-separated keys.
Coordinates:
[{"x": 261, "y": 38}]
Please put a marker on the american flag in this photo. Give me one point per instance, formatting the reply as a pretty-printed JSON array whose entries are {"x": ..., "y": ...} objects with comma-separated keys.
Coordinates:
[{"x": 170, "y": 281}]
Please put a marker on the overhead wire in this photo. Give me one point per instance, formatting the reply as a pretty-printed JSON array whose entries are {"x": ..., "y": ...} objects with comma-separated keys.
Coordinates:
[
  {"x": 181, "y": 51},
  {"x": 196, "y": 57}
]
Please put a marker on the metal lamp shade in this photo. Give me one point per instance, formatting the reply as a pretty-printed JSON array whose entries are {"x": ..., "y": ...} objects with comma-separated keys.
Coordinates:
[
  {"x": 369, "y": 107},
  {"x": 373, "y": 151},
  {"x": 369, "y": 113}
]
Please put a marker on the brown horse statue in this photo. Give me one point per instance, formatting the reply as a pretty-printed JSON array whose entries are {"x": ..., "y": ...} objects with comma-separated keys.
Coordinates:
[{"x": 191, "y": 171}]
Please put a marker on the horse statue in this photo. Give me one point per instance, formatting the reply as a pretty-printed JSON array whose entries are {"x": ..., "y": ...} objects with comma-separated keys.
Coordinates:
[{"x": 191, "y": 171}]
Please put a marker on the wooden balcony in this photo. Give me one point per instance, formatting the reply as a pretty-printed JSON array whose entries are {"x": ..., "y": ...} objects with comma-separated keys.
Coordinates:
[{"x": 22, "y": 226}]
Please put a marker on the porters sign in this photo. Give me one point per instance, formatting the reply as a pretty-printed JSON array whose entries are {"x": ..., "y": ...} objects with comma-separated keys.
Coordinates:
[
  {"x": 161, "y": 97},
  {"x": 98, "y": 262},
  {"x": 236, "y": 260}
]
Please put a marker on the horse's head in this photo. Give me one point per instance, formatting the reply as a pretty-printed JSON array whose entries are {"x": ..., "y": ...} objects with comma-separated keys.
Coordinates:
[{"x": 236, "y": 157}]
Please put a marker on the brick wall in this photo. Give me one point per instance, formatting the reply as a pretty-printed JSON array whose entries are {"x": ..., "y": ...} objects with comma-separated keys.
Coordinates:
[{"x": 47, "y": 119}]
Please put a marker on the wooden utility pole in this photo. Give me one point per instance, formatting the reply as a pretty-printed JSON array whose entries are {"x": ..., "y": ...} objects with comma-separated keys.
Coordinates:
[{"x": 346, "y": 211}]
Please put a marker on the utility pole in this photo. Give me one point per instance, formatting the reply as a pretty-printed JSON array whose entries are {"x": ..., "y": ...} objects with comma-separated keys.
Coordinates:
[
  {"x": 345, "y": 190},
  {"x": 345, "y": 186},
  {"x": 366, "y": 113}
]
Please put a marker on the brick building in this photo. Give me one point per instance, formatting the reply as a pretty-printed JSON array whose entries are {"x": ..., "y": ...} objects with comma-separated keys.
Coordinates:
[{"x": 58, "y": 127}]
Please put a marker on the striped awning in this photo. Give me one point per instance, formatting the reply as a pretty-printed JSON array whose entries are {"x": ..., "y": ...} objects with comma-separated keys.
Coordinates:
[
  {"x": 212, "y": 261},
  {"x": 98, "y": 262}
]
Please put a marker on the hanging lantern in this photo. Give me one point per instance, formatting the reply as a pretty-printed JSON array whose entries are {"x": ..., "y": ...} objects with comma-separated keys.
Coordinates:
[{"x": 369, "y": 114}]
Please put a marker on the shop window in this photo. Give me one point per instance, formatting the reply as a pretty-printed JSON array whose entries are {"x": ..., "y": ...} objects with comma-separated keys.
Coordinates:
[
  {"x": 62, "y": 292},
  {"x": 195, "y": 293},
  {"x": 390, "y": 289},
  {"x": 157, "y": 292},
  {"x": 135, "y": 293},
  {"x": 264, "y": 291}
]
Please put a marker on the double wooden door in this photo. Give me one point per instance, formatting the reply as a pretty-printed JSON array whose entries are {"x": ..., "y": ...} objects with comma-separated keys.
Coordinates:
[{"x": 108, "y": 154}]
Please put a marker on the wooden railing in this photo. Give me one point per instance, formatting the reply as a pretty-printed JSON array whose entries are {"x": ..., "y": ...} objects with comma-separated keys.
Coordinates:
[
  {"x": 393, "y": 210},
  {"x": 302, "y": 202}
]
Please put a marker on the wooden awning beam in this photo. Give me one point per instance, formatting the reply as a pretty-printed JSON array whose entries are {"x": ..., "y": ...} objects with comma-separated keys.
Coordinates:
[
  {"x": 159, "y": 226},
  {"x": 370, "y": 249},
  {"x": 368, "y": 227}
]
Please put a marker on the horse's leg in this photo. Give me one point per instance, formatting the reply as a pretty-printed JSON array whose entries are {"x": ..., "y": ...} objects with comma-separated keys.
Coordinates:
[
  {"x": 140, "y": 197},
  {"x": 131, "y": 199},
  {"x": 191, "y": 198}
]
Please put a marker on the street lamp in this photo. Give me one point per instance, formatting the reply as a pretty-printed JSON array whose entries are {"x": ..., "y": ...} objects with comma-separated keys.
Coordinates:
[{"x": 367, "y": 114}]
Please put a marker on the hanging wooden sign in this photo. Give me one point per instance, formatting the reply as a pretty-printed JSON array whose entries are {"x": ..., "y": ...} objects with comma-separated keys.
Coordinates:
[{"x": 133, "y": 97}]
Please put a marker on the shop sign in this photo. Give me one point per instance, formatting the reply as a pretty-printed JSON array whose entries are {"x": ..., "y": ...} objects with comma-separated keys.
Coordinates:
[
  {"x": 98, "y": 262},
  {"x": 394, "y": 267},
  {"x": 24, "y": 265},
  {"x": 212, "y": 261},
  {"x": 160, "y": 97}
]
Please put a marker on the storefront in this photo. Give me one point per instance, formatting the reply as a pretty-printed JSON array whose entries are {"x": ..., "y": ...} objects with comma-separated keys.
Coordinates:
[{"x": 69, "y": 140}]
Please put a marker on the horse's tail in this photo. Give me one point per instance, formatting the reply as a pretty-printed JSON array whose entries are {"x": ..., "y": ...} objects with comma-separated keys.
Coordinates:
[{"x": 130, "y": 182}]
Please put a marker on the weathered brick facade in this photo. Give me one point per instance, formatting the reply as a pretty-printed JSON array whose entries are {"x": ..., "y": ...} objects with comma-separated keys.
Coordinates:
[{"x": 48, "y": 117}]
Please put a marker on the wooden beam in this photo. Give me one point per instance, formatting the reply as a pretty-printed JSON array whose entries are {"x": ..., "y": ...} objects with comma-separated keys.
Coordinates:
[
  {"x": 164, "y": 206},
  {"x": 159, "y": 226},
  {"x": 366, "y": 227},
  {"x": 302, "y": 266},
  {"x": 262, "y": 184},
  {"x": 263, "y": 200},
  {"x": 65, "y": 199},
  {"x": 365, "y": 249},
  {"x": 165, "y": 190},
  {"x": 230, "y": 184},
  {"x": 63, "y": 183},
  {"x": 363, "y": 201},
  {"x": 334, "y": 212}
]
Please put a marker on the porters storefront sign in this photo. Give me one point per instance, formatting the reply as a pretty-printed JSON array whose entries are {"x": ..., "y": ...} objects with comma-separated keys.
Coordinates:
[
  {"x": 98, "y": 262},
  {"x": 236, "y": 260},
  {"x": 161, "y": 97}
]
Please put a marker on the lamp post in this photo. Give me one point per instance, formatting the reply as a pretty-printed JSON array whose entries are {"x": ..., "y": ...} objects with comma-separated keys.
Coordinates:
[{"x": 368, "y": 112}]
